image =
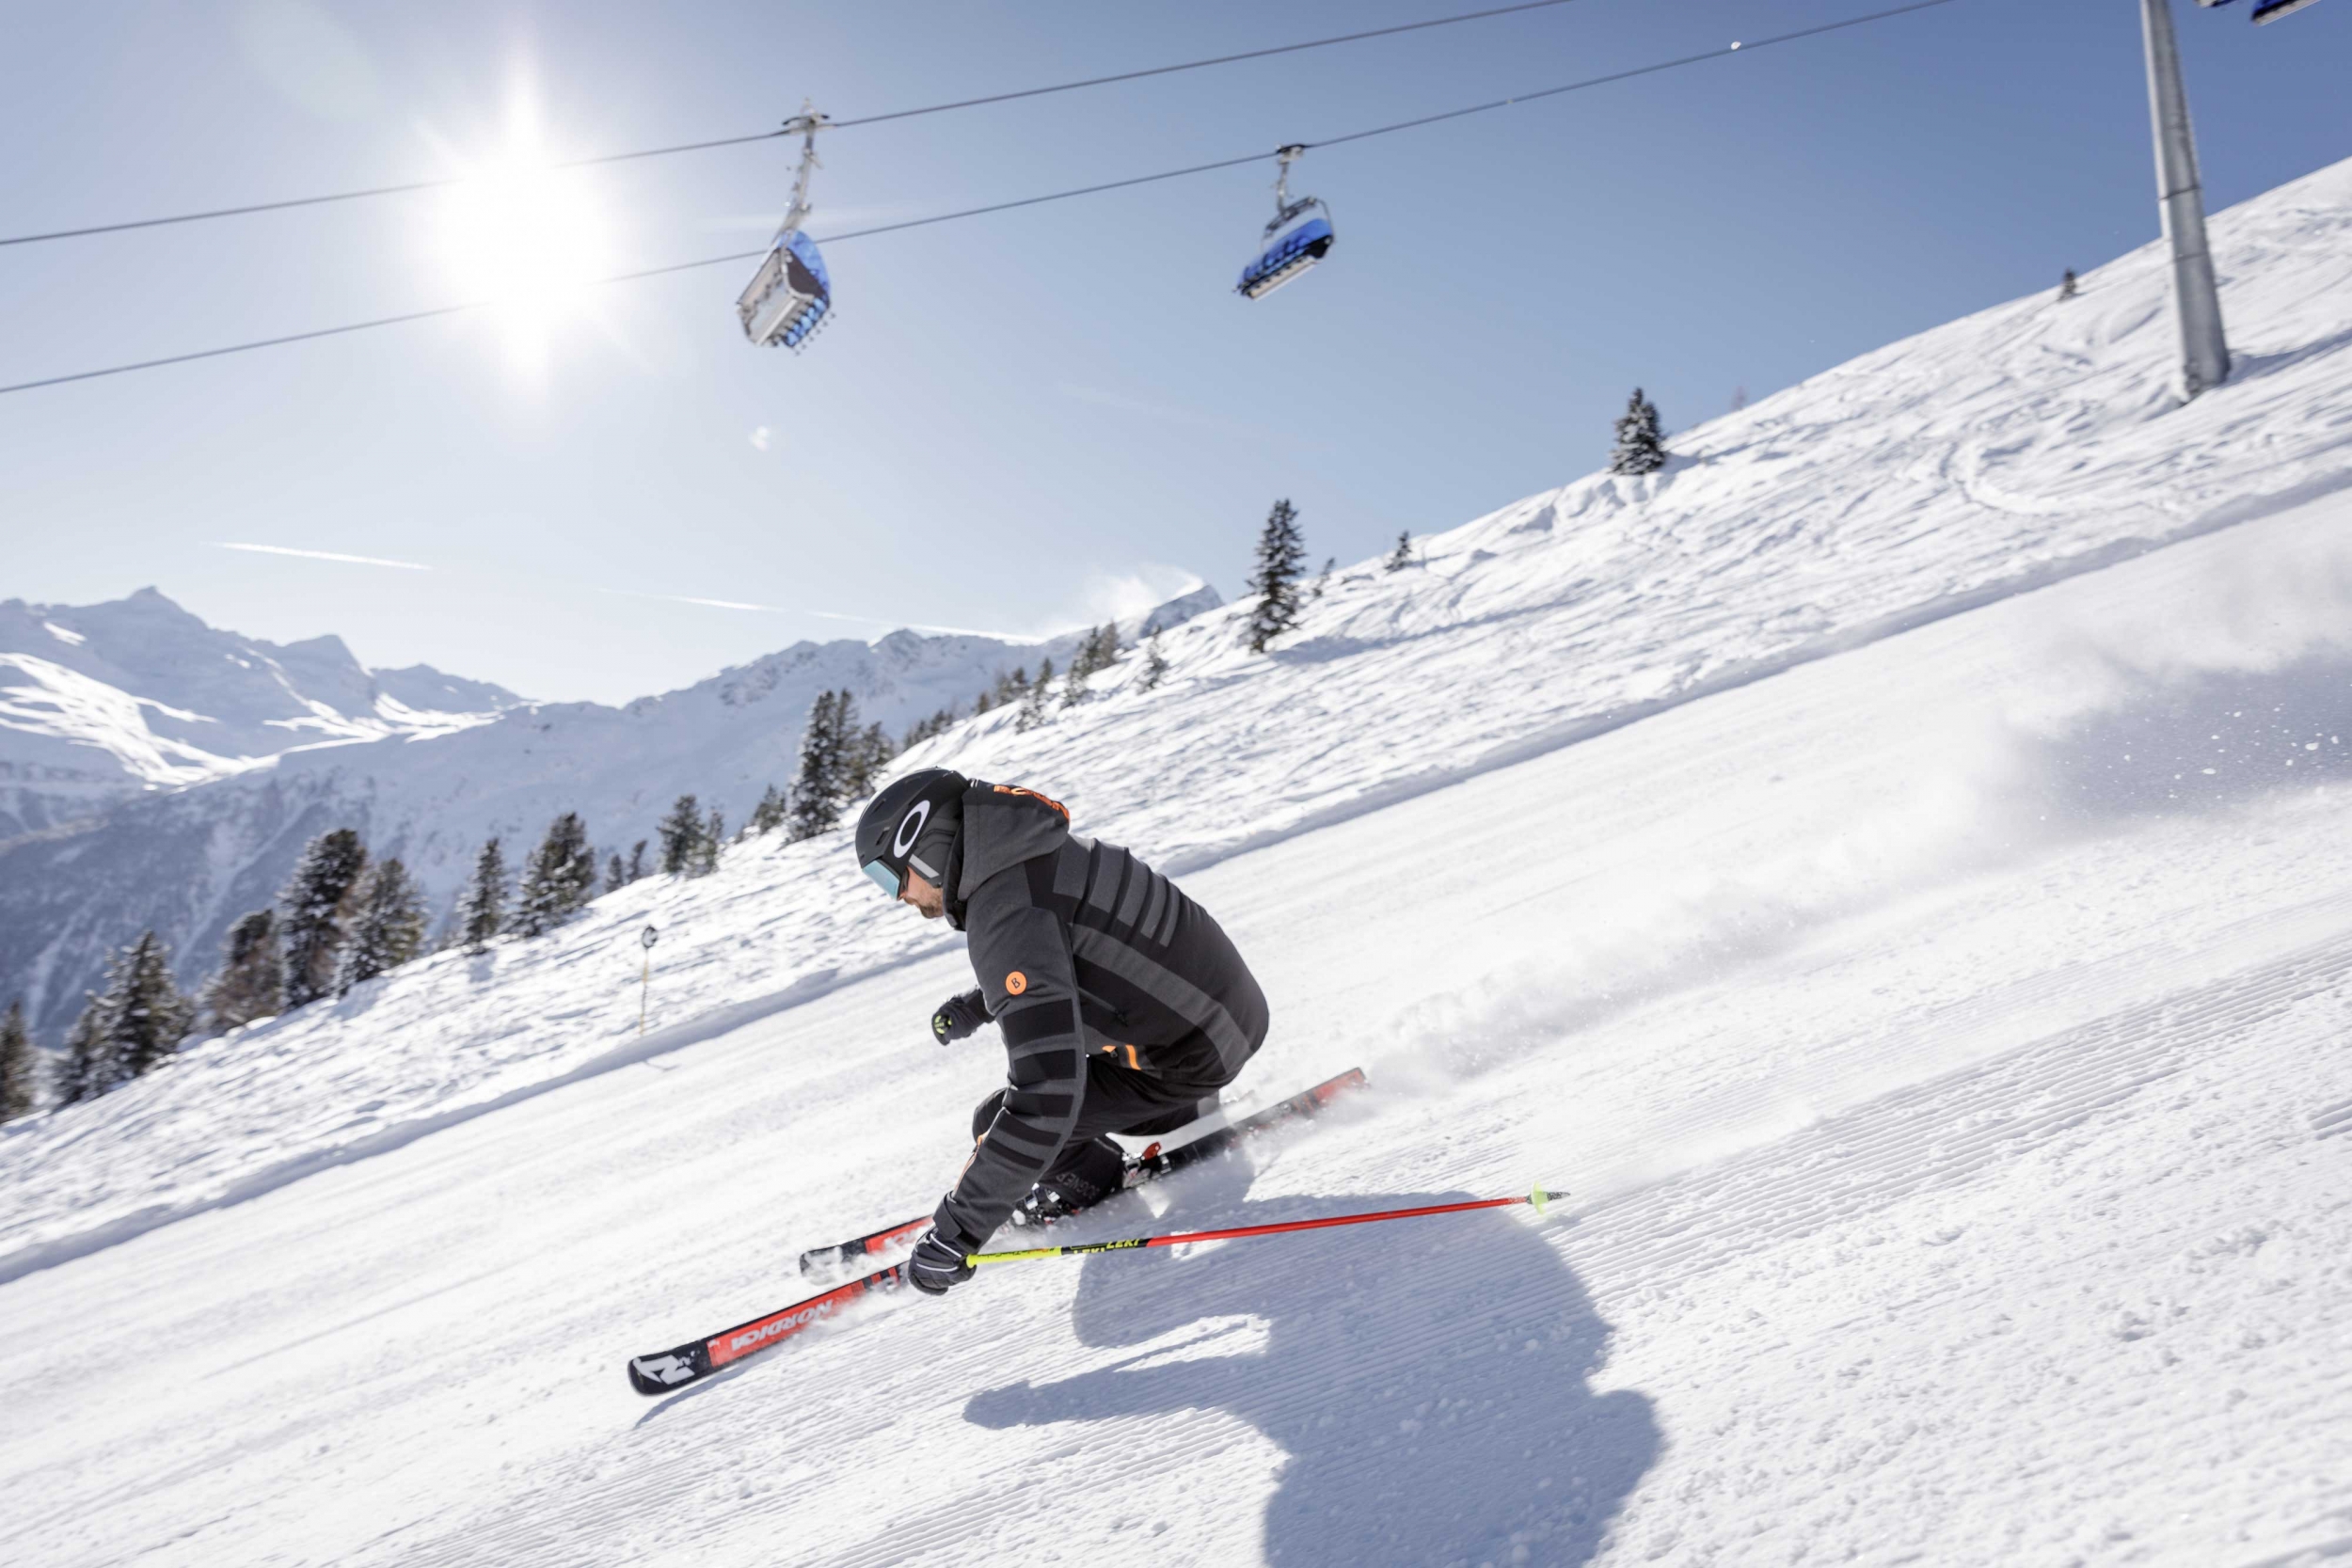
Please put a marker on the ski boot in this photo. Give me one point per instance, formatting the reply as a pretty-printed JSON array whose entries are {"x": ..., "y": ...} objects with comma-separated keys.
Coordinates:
[{"x": 1081, "y": 1178}]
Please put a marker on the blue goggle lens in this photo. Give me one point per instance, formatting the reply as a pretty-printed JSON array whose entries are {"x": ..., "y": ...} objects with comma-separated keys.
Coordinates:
[{"x": 891, "y": 883}]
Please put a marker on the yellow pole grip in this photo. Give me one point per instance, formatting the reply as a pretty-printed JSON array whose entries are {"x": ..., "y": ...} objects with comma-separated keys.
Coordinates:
[{"x": 977, "y": 1259}]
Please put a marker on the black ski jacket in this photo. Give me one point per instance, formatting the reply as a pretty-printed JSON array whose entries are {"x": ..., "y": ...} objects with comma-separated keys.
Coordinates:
[{"x": 1081, "y": 948}]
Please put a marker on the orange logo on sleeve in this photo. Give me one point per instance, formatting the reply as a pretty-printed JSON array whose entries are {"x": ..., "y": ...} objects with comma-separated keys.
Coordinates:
[{"x": 1016, "y": 983}]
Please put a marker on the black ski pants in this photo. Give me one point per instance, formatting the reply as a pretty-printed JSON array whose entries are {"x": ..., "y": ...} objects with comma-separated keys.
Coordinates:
[{"x": 1117, "y": 1100}]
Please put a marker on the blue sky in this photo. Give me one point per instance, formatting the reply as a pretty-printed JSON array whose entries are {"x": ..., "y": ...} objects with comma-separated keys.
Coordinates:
[{"x": 1017, "y": 423}]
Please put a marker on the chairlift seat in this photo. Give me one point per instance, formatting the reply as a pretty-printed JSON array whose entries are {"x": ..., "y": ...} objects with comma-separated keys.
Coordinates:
[
  {"x": 789, "y": 297},
  {"x": 1286, "y": 257}
]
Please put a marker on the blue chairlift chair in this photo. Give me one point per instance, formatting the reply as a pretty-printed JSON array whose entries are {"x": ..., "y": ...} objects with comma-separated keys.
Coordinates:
[
  {"x": 1299, "y": 236},
  {"x": 791, "y": 297}
]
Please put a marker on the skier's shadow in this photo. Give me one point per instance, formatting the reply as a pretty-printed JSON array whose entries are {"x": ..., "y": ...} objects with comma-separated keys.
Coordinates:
[{"x": 1427, "y": 1378}]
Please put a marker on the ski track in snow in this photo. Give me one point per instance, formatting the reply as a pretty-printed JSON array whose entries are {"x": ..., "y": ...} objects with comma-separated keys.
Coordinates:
[{"x": 1941, "y": 1043}]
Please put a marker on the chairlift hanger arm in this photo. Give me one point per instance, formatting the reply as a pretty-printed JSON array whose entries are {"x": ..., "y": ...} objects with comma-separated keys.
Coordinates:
[
  {"x": 1286, "y": 209},
  {"x": 805, "y": 125}
]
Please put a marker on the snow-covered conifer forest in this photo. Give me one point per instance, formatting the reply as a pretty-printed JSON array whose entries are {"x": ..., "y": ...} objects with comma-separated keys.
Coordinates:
[{"x": 1885, "y": 861}]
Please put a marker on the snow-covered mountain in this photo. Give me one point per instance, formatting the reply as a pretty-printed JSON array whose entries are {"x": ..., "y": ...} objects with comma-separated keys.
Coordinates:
[
  {"x": 1889, "y": 870},
  {"x": 101, "y": 702},
  {"x": 187, "y": 862}
]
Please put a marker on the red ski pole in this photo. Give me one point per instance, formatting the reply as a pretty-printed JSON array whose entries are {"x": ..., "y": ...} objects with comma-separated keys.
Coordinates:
[{"x": 1536, "y": 1199}]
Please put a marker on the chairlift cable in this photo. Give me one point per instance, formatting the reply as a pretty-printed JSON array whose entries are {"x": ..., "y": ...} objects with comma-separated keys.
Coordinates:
[
  {"x": 459, "y": 308},
  {"x": 1743, "y": 47},
  {"x": 1219, "y": 59},
  {"x": 413, "y": 186}
]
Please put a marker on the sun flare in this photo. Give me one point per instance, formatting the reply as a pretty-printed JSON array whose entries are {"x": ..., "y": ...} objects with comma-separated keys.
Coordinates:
[{"x": 524, "y": 236}]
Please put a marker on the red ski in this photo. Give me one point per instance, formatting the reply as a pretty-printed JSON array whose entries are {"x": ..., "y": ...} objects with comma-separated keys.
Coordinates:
[
  {"x": 699, "y": 1358},
  {"x": 1146, "y": 1168},
  {"x": 665, "y": 1370}
]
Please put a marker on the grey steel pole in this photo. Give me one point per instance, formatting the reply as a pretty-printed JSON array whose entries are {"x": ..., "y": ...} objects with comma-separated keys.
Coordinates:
[{"x": 2196, "y": 300}]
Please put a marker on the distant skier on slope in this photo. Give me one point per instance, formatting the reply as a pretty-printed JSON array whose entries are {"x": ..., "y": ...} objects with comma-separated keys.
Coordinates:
[{"x": 1124, "y": 1008}]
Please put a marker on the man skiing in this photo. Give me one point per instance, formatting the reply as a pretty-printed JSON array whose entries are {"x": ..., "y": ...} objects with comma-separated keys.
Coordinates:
[{"x": 1124, "y": 1008}]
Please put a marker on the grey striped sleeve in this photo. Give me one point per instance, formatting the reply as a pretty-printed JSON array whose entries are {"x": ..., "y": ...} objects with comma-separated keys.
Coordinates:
[{"x": 1023, "y": 963}]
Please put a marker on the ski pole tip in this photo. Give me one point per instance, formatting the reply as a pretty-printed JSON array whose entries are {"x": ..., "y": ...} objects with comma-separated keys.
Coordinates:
[{"x": 1538, "y": 1198}]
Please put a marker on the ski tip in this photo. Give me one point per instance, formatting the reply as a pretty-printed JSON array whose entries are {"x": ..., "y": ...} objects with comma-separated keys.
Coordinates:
[{"x": 655, "y": 1375}]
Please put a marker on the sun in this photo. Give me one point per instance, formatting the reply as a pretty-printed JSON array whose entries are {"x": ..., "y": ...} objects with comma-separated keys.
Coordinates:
[{"x": 525, "y": 237}]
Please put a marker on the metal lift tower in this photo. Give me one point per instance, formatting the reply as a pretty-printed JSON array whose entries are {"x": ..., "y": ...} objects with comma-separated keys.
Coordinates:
[{"x": 2196, "y": 301}]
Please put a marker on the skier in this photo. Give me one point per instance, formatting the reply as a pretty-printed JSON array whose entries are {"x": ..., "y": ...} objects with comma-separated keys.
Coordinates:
[{"x": 1124, "y": 1008}]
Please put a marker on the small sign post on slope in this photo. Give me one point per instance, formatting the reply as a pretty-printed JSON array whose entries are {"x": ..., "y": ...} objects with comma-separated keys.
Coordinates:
[{"x": 644, "y": 984}]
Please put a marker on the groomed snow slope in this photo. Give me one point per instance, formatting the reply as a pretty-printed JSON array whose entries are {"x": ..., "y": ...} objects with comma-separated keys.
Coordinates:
[
  {"x": 1948, "y": 1070},
  {"x": 2018, "y": 446}
]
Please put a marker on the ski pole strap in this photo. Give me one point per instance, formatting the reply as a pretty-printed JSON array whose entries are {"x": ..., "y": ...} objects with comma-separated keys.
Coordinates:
[{"x": 1536, "y": 1199}]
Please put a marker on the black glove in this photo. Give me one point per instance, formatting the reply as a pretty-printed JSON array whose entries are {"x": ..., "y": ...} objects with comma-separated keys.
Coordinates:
[
  {"x": 959, "y": 1015},
  {"x": 936, "y": 1267}
]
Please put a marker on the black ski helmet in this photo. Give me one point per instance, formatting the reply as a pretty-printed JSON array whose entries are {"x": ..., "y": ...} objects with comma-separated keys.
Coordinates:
[{"x": 914, "y": 822}]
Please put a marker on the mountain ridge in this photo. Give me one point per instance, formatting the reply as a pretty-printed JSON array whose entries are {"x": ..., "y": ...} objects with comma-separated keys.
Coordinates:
[
  {"x": 185, "y": 861},
  {"x": 101, "y": 702}
]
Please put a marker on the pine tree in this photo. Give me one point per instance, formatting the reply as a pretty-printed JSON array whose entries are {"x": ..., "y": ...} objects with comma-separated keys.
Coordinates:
[
  {"x": 1739, "y": 397},
  {"x": 637, "y": 861},
  {"x": 251, "y": 980},
  {"x": 1400, "y": 557},
  {"x": 150, "y": 1013},
  {"x": 769, "y": 815},
  {"x": 1282, "y": 556},
  {"x": 315, "y": 902},
  {"x": 1012, "y": 688},
  {"x": 616, "y": 873},
  {"x": 1639, "y": 447},
  {"x": 482, "y": 908},
  {"x": 681, "y": 834},
  {"x": 388, "y": 923},
  {"x": 865, "y": 753},
  {"x": 559, "y": 878},
  {"x": 816, "y": 789},
  {"x": 1032, "y": 712},
  {"x": 1323, "y": 578},
  {"x": 1073, "y": 681},
  {"x": 1155, "y": 665},
  {"x": 707, "y": 851},
  {"x": 90, "y": 1067},
  {"x": 937, "y": 724},
  {"x": 874, "y": 753},
  {"x": 2068, "y": 287},
  {"x": 19, "y": 1093},
  {"x": 138, "y": 1020},
  {"x": 1097, "y": 651}
]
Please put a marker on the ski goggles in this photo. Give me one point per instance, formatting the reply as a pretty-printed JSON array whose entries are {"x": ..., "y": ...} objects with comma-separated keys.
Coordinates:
[{"x": 893, "y": 883}]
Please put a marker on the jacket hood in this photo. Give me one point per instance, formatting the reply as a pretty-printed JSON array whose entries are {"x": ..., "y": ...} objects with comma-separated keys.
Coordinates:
[{"x": 1004, "y": 826}]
